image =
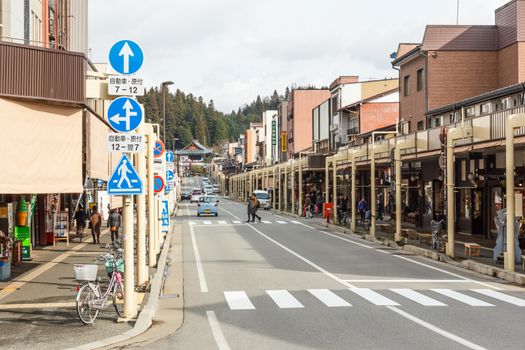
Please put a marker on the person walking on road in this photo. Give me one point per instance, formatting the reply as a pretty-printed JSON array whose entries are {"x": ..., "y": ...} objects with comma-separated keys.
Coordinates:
[
  {"x": 114, "y": 222},
  {"x": 95, "y": 221},
  {"x": 254, "y": 205}
]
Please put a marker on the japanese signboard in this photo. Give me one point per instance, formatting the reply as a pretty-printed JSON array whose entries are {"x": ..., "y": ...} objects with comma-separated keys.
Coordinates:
[
  {"x": 274, "y": 133},
  {"x": 133, "y": 143},
  {"x": 283, "y": 141},
  {"x": 125, "y": 86}
]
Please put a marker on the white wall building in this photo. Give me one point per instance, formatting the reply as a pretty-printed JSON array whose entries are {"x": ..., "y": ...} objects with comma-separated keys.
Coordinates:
[{"x": 267, "y": 118}]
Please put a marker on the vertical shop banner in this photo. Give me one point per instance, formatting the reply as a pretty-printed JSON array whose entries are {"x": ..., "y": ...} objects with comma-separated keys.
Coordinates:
[
  {"x": 274, "y": 133},
  {"x": 283, "y": 141}
]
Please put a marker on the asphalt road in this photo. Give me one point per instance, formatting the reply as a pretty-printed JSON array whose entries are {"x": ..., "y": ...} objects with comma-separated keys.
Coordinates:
[{"x": 285, "y": 284}]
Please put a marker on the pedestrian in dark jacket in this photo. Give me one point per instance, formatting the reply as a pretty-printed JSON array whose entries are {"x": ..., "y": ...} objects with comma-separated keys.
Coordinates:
[
  {"x": 96, "y": 221},
  {"x": 254, "y": 207},
  {"x": 114, "y": 223}
]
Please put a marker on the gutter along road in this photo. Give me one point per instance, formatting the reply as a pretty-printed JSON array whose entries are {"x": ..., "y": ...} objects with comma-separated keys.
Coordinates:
[{"x": 285, "y": 284}]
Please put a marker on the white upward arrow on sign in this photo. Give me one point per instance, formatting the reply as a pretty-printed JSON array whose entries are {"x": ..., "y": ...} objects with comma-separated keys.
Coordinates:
[
  {"x": 127, "y": 118},
  {"x": 126, "y": 52}
]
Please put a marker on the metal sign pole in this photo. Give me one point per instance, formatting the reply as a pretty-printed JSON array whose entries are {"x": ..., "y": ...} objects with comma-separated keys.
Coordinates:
[{"x": 130, "y": 307}]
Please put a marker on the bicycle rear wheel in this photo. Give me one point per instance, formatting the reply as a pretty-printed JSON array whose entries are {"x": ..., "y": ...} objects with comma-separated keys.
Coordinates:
[
  {"x": 118, "y": 300},
  {"x": 85, "y": 297}
]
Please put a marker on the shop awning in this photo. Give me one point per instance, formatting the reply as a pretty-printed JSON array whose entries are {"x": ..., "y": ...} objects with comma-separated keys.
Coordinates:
[
  {"x": 40, "y": 148},
  {"x": 98, "y": 162}
]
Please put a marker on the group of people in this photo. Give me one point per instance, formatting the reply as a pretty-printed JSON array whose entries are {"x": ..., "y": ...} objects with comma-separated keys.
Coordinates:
[
  {"x": 313, "y": 204},
  {"x": 94, "y": 218}
]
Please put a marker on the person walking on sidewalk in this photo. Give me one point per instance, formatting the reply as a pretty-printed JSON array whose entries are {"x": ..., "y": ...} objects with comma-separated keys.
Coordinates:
[
  {"x": 114, "y": 222},
  {"x": 80, "y": 219},
  {"x": 95, "y": 221}
]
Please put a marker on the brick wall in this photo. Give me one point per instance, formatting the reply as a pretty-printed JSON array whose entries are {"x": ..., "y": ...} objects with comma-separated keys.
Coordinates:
[
  {"x": 413, "y": 107},
  {"x": 508, "y": 65},
  {"x": 457, "y": 75}
]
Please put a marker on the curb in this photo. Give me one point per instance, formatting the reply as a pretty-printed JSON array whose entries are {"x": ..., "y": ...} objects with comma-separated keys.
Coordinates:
[{"x": 146, "y": 315}]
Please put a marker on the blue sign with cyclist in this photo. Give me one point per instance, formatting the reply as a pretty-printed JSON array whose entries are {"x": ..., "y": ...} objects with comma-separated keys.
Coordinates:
[
  {"x": 125, "y": 114},
  {"x": 126, "y": 57}
]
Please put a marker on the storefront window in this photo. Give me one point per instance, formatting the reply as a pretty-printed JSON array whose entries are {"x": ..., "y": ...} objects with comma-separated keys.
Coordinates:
[{"x": 465, "y": 203}]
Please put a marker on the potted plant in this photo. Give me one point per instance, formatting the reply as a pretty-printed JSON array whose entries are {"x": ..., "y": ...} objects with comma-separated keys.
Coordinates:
[{"x": 21, "y": 212}]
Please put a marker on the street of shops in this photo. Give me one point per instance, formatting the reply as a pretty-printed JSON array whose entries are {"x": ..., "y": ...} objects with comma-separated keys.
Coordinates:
[{"x": 410, "y": 172}]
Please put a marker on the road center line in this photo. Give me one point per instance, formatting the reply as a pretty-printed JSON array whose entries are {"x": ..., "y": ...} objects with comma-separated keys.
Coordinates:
[
  {"x": 200, "y": 271},
  {"x": 216, "y": 330},
  {"x": 435, "y": 329}
]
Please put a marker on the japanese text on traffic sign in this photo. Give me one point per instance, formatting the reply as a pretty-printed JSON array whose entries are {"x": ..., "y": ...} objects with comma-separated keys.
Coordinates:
[
  {"x": 126, "y": 86},
  {"x": 133, "y": 143}
]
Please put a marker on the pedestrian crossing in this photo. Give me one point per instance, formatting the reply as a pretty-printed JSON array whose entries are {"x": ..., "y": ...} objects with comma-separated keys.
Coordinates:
[
  {"x": 237, "y": 222},
  {"x": 284, "y": 299}
]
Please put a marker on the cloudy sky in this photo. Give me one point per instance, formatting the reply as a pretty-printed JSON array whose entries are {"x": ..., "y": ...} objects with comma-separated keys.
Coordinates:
[{"x": 233, "y": 50}]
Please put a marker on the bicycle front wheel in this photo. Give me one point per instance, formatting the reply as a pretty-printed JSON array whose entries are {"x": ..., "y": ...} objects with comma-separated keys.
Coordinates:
[
  {"x": 118, "y": 299},
  {"x": 85, "y": 310}
]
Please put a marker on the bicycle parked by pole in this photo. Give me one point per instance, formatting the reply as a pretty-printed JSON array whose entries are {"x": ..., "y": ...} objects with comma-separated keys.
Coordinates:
[
  {"x": 438, "y": 238},
  {"x": 91, "y": 298}
]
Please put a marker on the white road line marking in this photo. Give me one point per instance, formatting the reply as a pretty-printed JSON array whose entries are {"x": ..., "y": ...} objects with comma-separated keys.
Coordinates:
[
  {"x": 329, "y": 298},
  {"x": 295, "y": 222},
  {"x": 266, "y": 222},
  {"x": 446, "y": 272},
  {"x": 192, "y": 223},
  {"x": 417, "y": 297},
  {"x": 216, "y": 330},
  {"x": 236, "y": 217},
  {"x": 206, "y": 222},
  {"x": 408, "y": 281},
  {"x": 437, "y": 330},
  {"x": 373, "y": 297},
  {"x": 222, "y": 222},
  {"x": 281, "y": 222},
  {"x": 461, "y": 297},
  {"x": 237, "y": 222},
  {"x": 238, "y": 300},
  {"x": 347, "y": 240},
  {"x": 284, "y": 299},
  {"x": 315, "y": 266},
  {"x": 200, "y": 271},
  {"x": 500, "y": 296}
]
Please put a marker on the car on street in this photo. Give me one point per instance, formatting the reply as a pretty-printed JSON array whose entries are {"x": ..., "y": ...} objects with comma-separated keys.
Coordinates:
[
  {"x": 195, "y": 195},
  {"x": 208, "y": 205},
  {"x": 185, "y": 195},
  {"x": 216, "y": 188},
  {"x": 208, "y": 189},
  {"x": 264, "y": 199}
]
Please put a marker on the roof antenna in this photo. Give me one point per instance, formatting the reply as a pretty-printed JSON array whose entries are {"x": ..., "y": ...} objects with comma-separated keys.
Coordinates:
[{"x": 457, "y": 13}]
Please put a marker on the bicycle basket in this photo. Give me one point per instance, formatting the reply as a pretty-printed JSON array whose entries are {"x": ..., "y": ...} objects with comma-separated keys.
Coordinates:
[
  {"x": 119, "y": 264},
  {"x": 436, "y": 225},
  {"x": 85, "y": 272}
]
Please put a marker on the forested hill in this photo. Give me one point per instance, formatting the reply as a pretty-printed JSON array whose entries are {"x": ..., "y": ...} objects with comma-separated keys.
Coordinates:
[{"x": 189, "y": 117}]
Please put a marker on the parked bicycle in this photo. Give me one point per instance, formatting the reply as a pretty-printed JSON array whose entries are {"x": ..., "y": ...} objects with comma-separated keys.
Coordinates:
[
  {"x": 365, "y": 224},
  {"x": 91, "y": 298},
  {"x": 438, "y": 238}
]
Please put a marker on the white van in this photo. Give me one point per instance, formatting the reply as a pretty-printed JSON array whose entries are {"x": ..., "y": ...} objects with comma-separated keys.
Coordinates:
[{"x": 264, "y": 199}]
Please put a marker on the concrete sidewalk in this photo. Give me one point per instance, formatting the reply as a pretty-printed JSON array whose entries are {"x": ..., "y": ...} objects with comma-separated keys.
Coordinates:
[{"x": 37, "y": 308}]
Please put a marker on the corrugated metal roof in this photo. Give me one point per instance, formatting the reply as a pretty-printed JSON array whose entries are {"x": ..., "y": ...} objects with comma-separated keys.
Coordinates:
[{"x": 459, "y": 37}]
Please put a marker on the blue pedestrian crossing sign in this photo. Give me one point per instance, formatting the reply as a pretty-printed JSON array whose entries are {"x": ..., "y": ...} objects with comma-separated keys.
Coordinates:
[
  {"x": 126, "y": 57},
  {"x": 165, "y": 216},
  {"x": 170, "y": 157},
  {"x": 125, "y": 114},
  {"x": 125, "y": 180}
]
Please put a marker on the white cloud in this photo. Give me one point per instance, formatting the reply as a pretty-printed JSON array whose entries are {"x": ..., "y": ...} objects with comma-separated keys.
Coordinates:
[{"x": 232, "y": 50}]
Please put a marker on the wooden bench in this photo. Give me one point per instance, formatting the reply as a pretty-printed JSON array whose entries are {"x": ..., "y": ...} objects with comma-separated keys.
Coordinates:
[
  {"x": 384, "y": 227},
  {"x": 427, "y": 237},
  {"x": 472, "y": 249}
]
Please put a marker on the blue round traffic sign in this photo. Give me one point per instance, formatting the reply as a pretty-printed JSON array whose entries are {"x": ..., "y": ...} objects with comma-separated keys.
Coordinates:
[
  {"x": 170, "y": 157},
  {"x": 169, "y": 175},
  {"x": 126, "y": 57},
  {"x": 158, "y": 184},
  {"x": 124, "y": 114},
  {"x": 159, "y": 149}
]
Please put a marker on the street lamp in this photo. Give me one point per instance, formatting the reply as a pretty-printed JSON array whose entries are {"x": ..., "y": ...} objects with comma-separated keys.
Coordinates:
[{"x": 163, "y": 86}]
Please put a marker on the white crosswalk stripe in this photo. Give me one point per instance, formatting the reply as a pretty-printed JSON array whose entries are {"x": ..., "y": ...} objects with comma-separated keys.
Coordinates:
[
  {"x": 373, "y": 297},
  {"x": 462, "y": 297},
  {"x": 295, "y": 222},
  {"x": 329, "y": 298},
  {"x": 237, "y": 222},
  {"x": 222, "y": 222},
  {"x": 500, "y": 296},
  {"x": 266, "y": 222},
  {"x": 417, "y": 297},
  {"x": 238, "y": 300},
  {"x": 281, "y": 222},
  {"x": 207, "y": 222},
  {"x": 284, "y": 299}
]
